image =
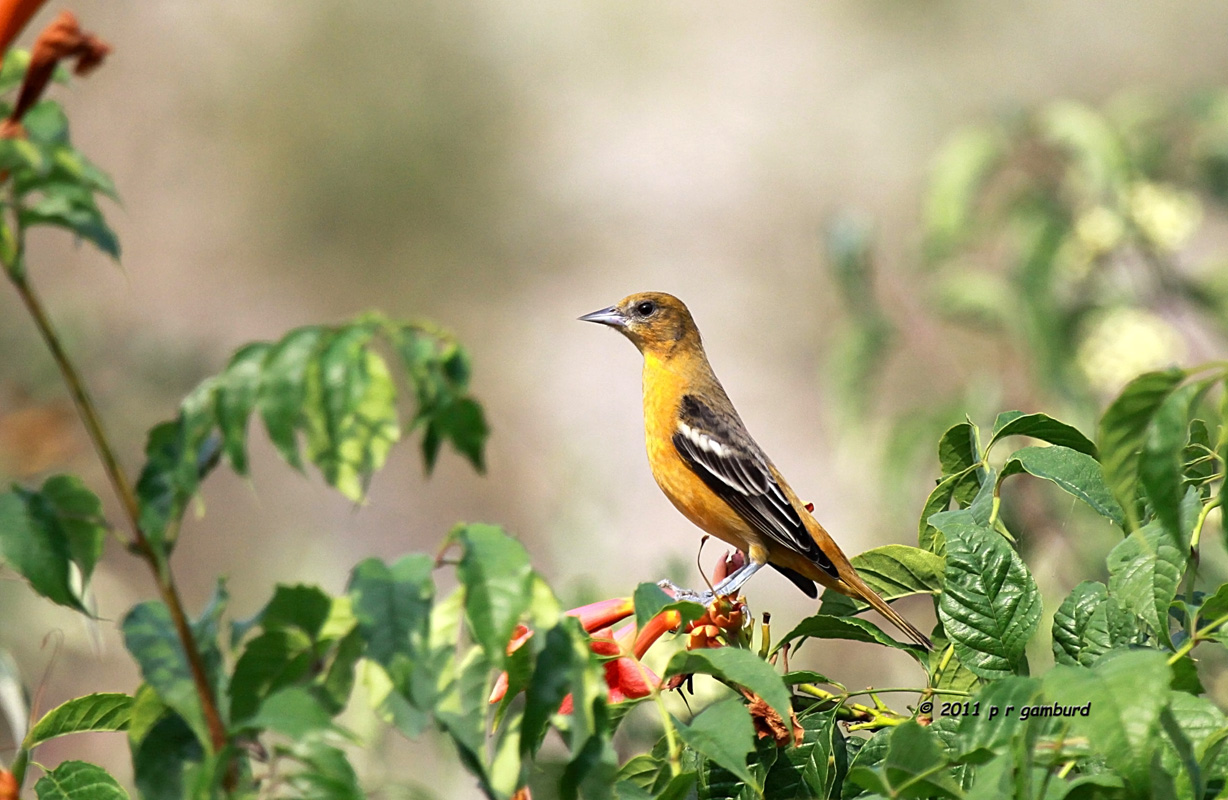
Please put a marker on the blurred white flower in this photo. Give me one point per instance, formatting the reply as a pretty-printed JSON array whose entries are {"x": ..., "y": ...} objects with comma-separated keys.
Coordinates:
[
  {"x": 1120, "y": 343},
  {"x": 1099, "y": 230},
  {"x": 1165, "y": 215}
]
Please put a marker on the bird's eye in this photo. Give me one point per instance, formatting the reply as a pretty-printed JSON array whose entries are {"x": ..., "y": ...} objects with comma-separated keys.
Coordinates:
[{"x": 646, "y": 308}]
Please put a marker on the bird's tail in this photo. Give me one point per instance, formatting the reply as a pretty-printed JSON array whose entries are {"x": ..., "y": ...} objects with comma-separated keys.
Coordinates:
[{"x": 863, "y": 592}]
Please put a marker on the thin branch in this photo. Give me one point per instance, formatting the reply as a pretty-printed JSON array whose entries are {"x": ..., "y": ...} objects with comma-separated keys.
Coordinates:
[{"x": 127, "y": 498}]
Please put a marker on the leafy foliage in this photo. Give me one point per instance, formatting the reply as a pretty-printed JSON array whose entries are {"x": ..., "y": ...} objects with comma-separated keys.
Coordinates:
[{"x": 486, "y": 657}]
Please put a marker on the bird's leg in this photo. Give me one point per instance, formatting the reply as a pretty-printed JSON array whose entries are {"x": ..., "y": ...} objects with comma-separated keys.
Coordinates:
[
  {"x": 690, "y": 595},
  {"x": 734, "y": 581}
]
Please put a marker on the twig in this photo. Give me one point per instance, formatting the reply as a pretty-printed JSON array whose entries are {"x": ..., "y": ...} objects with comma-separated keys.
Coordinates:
[{"x": 127, "y": 498}]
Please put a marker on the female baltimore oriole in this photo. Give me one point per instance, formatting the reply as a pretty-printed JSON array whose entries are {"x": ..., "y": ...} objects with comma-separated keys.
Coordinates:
[{"x": 713, "y": 471}]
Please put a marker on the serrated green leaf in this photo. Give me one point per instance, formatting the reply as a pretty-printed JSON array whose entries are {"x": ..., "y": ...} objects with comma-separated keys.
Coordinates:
[
  {"x": 1078, "y": 474},
  {"x": 736, "y": 666},
  {"x": 79, "y": 780},
  {"x": 990, "y": 605},
  {"x": 1089, "y": 624},
  {"x": 894, "y": 571},
  {"x": 1123, "y": 434},
  {"x": 1144, "y": 572},
  {"x": 498, "y": 581},
  {"x": 1040, "y": 426},
  {"x": 724, "y": 733},
  {"x": 106, "y": 711}
]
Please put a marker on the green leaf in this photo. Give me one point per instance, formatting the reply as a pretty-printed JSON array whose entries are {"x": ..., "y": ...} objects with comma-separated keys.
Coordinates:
[
  {"x": 979, "y": 738},
  {"x": 1144, "y": 572},
  {"x": 179, "y": 454},
  {"x": 1127, "y": 691},
  {"x": 78, "y": 513},
  {"x": 939, "y": 500},
  {"x": 68, "y": 206},
  {"x": 36, "y": 547},
  {"x": 79, "y": 780},
  {"x": 854, "y": 629},
  {"x": 1078, "y": 474},
  {"x": 306, "y": 608},
  {"x": 463, "y": 423},
  {"x": 107, "y": 711},
  {"x": 271, "y": 661},
  {"x": 990, "y": 605},
  {"x": 237, "y": 388},
  {"x": 1123, "y": 434},
  {"x": 549, "y": 683},
  {"x": 1214, "y": 606},
  {"x": 894, "y": 571},
  {"x": 960, "y": 169},
  {"x": 649, "y": 600},
  {"x": 150, "y": 636},
  {"x": 910, "y": 768},
  {"x": 958, "y": 454},
  {"x": 733, "y": 665},
  {"x": 169, "y": 762},
  {"x": 283, "y": 388},
  {"x": 1161, "y": 467},
  {"x": 1040, "y": 426},
  {"x": 725, "y": 734},
  {"x": 944, "y": 668},
  {"x": 393, "y": 606},
  {"x": 1089, "y": 624},
  {"x": 293, "y": 712},
  {"x": 498, "y": 581},
  {"x": 350, "y": 411}
]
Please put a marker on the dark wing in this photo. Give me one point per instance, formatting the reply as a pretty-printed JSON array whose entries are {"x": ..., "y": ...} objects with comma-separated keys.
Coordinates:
[{"x": 721, "y": 452}]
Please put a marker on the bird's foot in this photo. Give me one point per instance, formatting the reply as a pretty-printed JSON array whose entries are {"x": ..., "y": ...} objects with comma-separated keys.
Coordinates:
[{"x": 690, "y": 595}]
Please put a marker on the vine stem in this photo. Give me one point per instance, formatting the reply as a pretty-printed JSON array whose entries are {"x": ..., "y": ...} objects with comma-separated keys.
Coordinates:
[
  {"x": 127, "y": 498},
  {"x": 1192, "y": 641}
]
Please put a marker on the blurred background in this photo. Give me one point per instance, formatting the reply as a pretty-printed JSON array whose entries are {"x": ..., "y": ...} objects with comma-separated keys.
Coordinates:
[{"x": 883, "y": 215}]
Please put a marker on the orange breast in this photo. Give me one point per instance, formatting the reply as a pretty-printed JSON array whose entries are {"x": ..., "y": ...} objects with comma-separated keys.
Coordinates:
[{"x": 663, "y": 390}]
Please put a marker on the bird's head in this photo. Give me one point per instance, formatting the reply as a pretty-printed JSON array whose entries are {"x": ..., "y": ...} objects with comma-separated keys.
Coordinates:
[{"x": 655, "y": 322}]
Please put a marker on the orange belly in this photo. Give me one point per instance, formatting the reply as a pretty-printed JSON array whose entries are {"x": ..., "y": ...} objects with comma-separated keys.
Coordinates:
[{"x": 688, "y": 493}]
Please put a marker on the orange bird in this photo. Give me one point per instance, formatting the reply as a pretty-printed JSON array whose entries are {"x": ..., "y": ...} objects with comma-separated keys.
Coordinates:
[{"x": 713, "y": 471}]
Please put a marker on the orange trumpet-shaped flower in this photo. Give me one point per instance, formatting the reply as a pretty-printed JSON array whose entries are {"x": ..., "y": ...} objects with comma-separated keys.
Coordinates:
[
  {"x": 63, "y": 38},
  {"x": 626, "y": 678},
  {"x": 14, "y": 14}
]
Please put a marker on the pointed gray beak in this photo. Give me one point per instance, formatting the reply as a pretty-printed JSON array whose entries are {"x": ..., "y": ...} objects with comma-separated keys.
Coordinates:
[{"x": 607, "y": 316}]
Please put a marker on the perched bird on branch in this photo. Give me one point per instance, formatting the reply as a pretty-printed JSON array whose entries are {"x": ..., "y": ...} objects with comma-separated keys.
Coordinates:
[{"x": 713, "y": 471}]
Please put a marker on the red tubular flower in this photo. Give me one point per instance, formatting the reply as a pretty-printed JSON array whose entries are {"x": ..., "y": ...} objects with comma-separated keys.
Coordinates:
[
  {"x": 63, "y": 38},
  {"x": 603, "y": 613}
]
